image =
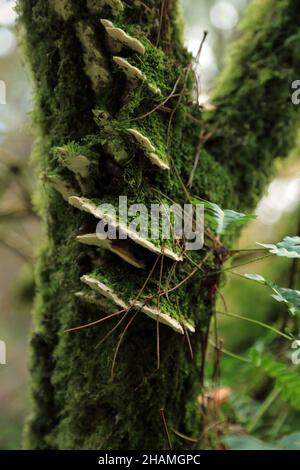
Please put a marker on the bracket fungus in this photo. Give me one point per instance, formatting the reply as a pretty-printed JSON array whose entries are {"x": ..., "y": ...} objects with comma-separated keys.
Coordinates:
[
  {"x": 91, "y": 207},
  {"x": 103, "y": 290},
  {"x": 120, "y": 249},
  {"x": 77, "y": 164},
  {"x": 130, "y": 71},
  {"x": 121, "y": 36},
  {"x": 149, "y": 149},
  {"x": 151, "y": 311},
  {"x": 96, "y": 67},
  {"x": 60, "y": 185},
  {"x": 133, "y": 73}
]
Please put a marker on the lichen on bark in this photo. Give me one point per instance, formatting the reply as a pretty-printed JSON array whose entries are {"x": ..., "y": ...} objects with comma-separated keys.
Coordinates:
[{"x": 107, "y": 111}]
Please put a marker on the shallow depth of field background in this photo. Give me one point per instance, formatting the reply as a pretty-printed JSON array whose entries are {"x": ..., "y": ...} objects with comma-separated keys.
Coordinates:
[{"x": 278, "y": 216}]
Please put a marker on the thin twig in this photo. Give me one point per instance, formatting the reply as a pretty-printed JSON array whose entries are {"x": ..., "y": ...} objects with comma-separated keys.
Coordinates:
[
  {"x": 162, "y": 103},
  {"x": 197, "y": 61},
  {"x": 160, "y": 22},
  {"x": 223, "y": 299},
  {"x": 229, "y": 353},
  {"x": 257, "y": 322},
  {"x": 166, "y": 292},
  {"x": 187, "y": 278},
  {"x": 247, "y": 250},
  {"x": 146, "y": 282},
  {"x": 260, "y": 258},
  {"x": 133, "y": 318},
  {"x": 202, "y": 139},
  {"x": 168, "y": 280},
  {"x": 184, "y": 437},
  {"x": 188, "y": 341},
  {"x": 158, "y": 308},
  {"x": 189, "y": 68},
  {"x": 120, "y": 342},
  {"x": 163, "y": 417},
  {"x": 77, "y": 328},
  {"x": 105, "y": 337}
]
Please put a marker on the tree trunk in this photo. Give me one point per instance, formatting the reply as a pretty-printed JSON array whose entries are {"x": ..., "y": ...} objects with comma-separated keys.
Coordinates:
[{"x": 132, "y": 381}]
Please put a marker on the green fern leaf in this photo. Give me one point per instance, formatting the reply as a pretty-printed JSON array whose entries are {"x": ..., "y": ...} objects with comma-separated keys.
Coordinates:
[
  {"x": 223, "y": 220},
  {"x": 290, "y": 297},
  {"x": 287, "y": 380},
  {"x": 289, "y": 247}
]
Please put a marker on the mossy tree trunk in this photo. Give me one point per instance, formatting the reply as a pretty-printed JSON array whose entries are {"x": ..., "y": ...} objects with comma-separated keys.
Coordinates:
[{"x": 103, "y": 132}]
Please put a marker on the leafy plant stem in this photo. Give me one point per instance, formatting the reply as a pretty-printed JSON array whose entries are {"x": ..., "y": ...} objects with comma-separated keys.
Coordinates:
[
  {"x": 247, "y": 250},
  {"x": 263, "y": 409},
  {"x": 247, "y": 262},
  {"x": 229, "y": 353},
  {"x": 257, "y": 322}
]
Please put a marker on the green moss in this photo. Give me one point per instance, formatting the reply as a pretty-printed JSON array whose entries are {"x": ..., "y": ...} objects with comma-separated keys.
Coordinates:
[
  {"x": 75, "y": 404},
  {"x": 255, "y": 121},
  {"x": 156, "y": 67},
  {"x": 114, "y": 7},
  {"x": 126, "y": 285}
]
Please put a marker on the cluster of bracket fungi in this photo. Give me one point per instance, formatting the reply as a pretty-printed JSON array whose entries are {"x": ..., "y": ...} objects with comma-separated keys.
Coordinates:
[{"x": 81, "y": 164}]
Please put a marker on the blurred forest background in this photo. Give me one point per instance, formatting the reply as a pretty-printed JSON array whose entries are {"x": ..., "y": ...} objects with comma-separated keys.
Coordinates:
[{"x": 251, "y": 404}]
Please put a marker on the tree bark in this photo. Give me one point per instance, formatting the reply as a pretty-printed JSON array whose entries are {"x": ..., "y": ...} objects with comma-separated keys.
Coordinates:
[{"x": 94, "y": 81}]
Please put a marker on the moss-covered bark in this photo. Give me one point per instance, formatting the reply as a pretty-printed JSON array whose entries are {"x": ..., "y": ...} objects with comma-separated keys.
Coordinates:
[{"x": 95, "y": 80}]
